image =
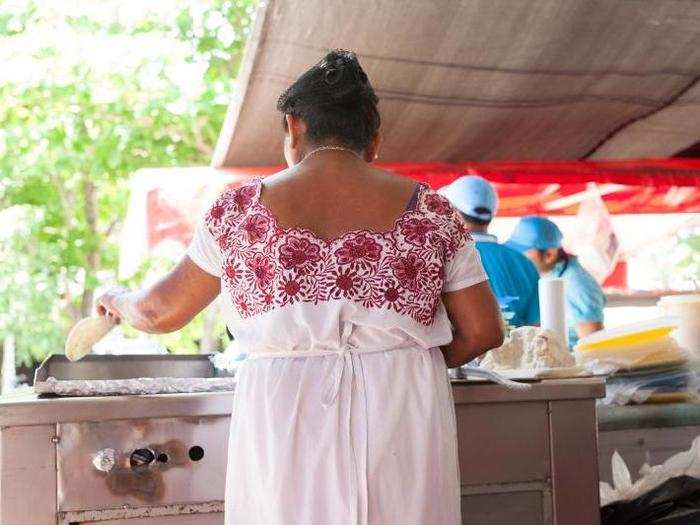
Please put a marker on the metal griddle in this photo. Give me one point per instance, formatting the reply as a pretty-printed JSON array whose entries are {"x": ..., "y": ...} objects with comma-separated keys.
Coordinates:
[{"x": 129, "y": 374}]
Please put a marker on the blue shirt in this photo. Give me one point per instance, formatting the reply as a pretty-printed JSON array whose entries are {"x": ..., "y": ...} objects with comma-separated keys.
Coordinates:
[
  {"x": 585, "y": 300},
  {"x": 513, "y": 279}
]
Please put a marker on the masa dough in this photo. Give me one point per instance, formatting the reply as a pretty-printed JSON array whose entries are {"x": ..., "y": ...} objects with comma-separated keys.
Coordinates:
[{"x": 529, "y": 347}]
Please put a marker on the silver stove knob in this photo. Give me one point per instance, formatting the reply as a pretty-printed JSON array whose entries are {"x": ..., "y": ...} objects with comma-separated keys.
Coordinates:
[{"x": 105, "y": 459}]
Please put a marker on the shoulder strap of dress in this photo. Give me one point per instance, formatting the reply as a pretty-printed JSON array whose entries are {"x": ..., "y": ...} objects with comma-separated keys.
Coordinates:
[
  {"x": 257, "y": 183},
  {"x": 415, "y": 197}
]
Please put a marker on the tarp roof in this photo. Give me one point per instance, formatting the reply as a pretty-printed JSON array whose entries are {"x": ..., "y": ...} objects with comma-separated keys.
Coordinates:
[{"x": 485, "y": 80}]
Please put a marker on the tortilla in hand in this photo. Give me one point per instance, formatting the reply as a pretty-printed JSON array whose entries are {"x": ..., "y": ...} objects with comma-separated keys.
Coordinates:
[{"x": 84, "y": 334}]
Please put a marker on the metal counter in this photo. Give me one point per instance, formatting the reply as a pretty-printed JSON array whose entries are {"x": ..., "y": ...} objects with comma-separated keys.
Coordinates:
[
  {"x": 525, "y": 457},
  {"x": 529, "y": 457},
  {"x": 30, "y": 409}
]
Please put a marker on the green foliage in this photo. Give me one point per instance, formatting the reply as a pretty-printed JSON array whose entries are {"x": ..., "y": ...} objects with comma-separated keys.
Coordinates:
[
  {"x": 688, "y": 257},
  {"x": 14, "y": 23},
  {"x": 70, "y": 139}
]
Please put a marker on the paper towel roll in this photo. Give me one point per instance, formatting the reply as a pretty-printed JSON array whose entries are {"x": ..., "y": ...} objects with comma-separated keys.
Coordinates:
[{"x": 553, "y": 306}]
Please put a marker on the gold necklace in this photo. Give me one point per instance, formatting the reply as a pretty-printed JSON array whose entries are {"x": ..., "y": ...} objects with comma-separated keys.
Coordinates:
[{"x": 332, "y": 148}]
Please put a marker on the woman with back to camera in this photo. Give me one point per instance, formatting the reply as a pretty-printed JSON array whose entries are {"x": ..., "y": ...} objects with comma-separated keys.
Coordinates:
[{"x": 350, "y": 288}]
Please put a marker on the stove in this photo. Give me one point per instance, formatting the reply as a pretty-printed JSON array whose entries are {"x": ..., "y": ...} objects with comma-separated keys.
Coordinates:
[
  {"x": 141, "y": 470},
  {"x": 117, "y": 440}
]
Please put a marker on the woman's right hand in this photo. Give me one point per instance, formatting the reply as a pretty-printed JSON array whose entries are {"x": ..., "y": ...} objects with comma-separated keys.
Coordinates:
[
  {"x": 107, "y": 304},
  {"x": 167, "y": 305}
]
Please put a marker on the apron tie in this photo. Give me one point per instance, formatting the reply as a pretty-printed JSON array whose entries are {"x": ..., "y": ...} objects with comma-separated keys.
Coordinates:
[
  {"x": 357, "y": 474},
  {"x": 343, "y": 360}
]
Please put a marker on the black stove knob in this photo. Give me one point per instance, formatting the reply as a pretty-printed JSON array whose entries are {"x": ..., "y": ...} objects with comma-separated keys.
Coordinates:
[{"x": 141, "y": 457}]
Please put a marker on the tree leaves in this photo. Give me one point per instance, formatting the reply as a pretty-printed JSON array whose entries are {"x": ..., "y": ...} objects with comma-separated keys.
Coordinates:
[{"x": 71, "y": 137}]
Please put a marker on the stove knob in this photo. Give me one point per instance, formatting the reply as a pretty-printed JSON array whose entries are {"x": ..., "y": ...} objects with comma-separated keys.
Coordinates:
[
  {"x": 105, "y": 459},
  {"x": 141, "y": 457}
]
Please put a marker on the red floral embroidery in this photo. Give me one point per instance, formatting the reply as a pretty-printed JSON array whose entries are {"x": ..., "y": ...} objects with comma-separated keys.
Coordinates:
[
  {"x": 408, "y": 269},
  {"x": 256, "y": 226},
  {"x": 223, "y": 241},
  {"x": 266, "y": 266},
  {"x": 391, "y": 294},
  {"x": 345, "y": 284},
  {"x": 290, "y": 291},
  {"x": 242, "y": 306},
  {"x": 298, "y": 252},
  {"x": 416, "y": 230},
  {"x": 361, "y": 249},
  {"x": 438, "y": 204},
  {"x": 393, "y": 297},
  {"x": 263, "y": 269},
  {"x": 243, "y": 198},
  {"x": 232, "y": 272}
]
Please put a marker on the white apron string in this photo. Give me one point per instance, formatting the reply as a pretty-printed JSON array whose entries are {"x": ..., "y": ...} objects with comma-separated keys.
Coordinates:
[{"x": 343, "y": 362}]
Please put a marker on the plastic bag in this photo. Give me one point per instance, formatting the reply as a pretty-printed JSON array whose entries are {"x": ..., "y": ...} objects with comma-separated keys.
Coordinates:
[
  {"x": 674, "y": 502},
  {"x": 229, "y": 361},
  {"x": 685, "y": 463},
  {"x": 624, "y": 389}
]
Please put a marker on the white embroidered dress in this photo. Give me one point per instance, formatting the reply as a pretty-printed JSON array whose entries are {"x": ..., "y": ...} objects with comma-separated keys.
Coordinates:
[{"x": 343, "y": 414}]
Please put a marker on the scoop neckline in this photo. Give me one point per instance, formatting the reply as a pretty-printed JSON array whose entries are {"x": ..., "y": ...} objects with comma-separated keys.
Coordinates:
[{"x": 421, "y": 189}]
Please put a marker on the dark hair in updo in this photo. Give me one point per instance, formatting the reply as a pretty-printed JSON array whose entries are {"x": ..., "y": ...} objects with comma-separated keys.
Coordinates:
[{"x": 336, "y": 102}]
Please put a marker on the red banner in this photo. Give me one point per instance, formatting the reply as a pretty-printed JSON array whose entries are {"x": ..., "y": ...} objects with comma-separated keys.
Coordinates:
[
  {"x": 165, "y": 203},
  {"x": 557, "y": 188}
]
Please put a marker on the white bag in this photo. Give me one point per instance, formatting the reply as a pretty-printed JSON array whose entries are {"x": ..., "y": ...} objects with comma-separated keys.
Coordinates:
[{"x": 682, "y": 464}]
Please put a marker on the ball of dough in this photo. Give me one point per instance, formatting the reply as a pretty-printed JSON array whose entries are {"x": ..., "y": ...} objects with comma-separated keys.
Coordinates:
[
  {"x": 546, "y": 350},
  {"x": 531, "y": 348}
]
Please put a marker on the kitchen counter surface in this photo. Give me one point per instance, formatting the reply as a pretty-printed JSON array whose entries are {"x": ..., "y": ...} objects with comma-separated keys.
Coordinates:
[
  {"x": 548, "y": 389},
  {"x": 26, "y": 408},
  {"x": 30, "y": 409}
]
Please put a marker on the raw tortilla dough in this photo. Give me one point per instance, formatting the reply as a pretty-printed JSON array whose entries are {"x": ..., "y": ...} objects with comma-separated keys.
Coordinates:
[
  {"x": 84, "y": 334},
  {"x": 531, "y": 348}
]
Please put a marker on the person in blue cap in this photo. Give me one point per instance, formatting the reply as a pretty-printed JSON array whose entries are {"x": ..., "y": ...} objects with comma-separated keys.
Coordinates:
[
  {"x": 513, "y": 278},
  {"x": 540, "y": 240}
]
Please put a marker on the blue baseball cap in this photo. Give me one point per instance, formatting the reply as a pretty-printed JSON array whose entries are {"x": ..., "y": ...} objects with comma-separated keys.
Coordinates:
[
  {"x": 535, "y": 232},
  {"x": 473, "y": 196}
]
